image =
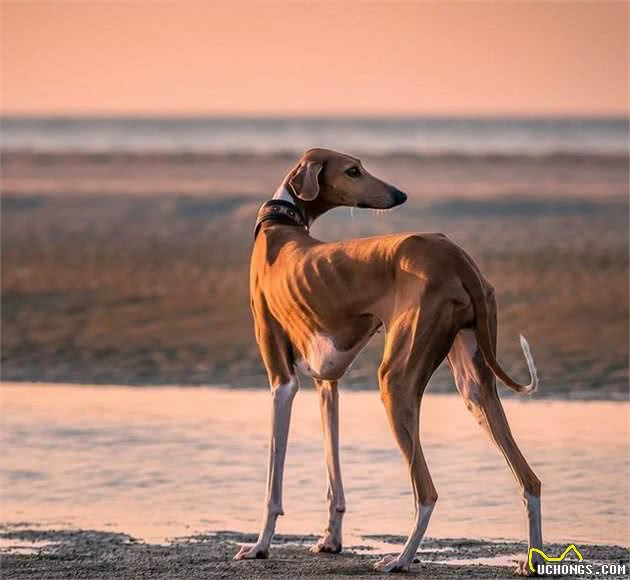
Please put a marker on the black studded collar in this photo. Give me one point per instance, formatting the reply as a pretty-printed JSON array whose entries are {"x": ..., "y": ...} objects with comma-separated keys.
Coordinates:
[{"x": 280, "y": 210}]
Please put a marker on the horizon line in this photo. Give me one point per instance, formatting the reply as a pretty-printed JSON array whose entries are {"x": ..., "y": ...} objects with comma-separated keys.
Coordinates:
[{"x": 110, "y": 115}]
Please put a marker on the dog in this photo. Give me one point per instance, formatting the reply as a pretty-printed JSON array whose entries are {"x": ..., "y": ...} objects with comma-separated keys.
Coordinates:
[{"x": 317, "y": 304}]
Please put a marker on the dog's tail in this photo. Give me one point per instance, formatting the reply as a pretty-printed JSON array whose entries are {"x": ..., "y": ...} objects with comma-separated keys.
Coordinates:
[{"x": 472, "y": 284}]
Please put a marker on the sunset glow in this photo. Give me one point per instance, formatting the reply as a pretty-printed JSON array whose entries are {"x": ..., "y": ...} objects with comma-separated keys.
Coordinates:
[{"x": 455, "y": 58}]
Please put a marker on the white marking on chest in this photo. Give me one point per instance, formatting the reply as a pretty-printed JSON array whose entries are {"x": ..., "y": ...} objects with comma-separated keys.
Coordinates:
[{"x": 323, "y": 359}]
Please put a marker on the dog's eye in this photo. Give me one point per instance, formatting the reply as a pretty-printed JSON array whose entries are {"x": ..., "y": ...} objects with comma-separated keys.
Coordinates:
[{"x": 353, "y": 172}]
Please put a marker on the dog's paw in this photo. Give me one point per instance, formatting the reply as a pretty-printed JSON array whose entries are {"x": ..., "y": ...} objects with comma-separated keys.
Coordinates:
[
  {"x": 255, "y": 552},
  {"x": 522, "y": 569},
  {"x": 391, "y": 564},
  {"x": 326, "y": 545}
]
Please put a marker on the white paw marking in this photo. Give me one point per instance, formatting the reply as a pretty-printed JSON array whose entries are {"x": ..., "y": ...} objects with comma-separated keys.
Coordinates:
[
  {"x": 522, "y": 569},
  {"x": 391, "y": 564},
  {"x": 251, "y": 552},
  {"x": 326, "y": 545}
]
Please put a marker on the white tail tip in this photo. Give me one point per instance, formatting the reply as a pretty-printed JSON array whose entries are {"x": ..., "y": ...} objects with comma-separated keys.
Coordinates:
[{"x": 533, "y": 373}]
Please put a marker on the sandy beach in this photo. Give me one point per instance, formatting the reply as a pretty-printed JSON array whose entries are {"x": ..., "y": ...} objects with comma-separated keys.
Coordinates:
[{"x": 132, "y": 268}]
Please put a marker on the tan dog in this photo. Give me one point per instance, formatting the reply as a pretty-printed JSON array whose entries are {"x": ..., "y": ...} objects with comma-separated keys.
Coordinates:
[{"x": 316, "y": 305}]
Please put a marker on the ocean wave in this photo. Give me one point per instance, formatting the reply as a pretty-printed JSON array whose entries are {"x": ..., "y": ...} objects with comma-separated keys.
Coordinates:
[{"x": 290, "y": 136}]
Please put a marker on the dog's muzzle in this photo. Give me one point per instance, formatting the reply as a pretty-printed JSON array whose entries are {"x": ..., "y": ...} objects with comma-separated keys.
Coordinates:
[{"x": 399, "y": 196}]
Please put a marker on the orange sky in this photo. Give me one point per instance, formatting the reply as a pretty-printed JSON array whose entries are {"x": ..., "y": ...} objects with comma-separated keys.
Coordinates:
[{"x": 445, "y": 58}]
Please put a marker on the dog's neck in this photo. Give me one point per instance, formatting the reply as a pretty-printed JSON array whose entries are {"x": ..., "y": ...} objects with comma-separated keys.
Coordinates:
[
  {"x": 286, "y": 207},
  {"x": 311, "y": 210},
  {"x": 284, "y": 193},
  {"x": 282, "y": 208}
]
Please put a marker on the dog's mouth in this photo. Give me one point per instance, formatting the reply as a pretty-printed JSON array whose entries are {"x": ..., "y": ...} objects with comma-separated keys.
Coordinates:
[
  {"x": 391, "y": 205},
  {"x": 377, "y": 207},
  {"x": 398, "y": 198}
]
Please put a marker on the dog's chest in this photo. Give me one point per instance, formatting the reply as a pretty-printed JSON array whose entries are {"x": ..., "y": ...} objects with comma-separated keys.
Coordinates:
[{"x": 322, "y": 359}]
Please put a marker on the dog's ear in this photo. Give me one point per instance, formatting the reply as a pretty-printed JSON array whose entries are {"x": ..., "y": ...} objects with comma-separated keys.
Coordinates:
[{"x": 305, "y": 181}]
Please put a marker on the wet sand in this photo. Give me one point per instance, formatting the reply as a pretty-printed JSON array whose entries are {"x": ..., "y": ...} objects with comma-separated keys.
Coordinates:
[{"x": 50, "y": 554}]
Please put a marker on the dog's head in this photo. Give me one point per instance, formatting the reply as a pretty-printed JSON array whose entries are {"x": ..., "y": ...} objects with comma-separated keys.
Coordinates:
[{"x": 329, "y": 179}]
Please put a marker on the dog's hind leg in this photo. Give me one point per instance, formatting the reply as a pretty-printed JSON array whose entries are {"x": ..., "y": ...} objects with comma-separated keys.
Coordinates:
[
  {"x": 416, "y": 344},
  {"x": 328, "y": 393},
  {"x": 477, "y": 385}
]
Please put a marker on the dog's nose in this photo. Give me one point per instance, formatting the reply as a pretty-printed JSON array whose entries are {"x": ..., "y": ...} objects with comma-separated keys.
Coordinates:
[{"x": 399, "y": 196}]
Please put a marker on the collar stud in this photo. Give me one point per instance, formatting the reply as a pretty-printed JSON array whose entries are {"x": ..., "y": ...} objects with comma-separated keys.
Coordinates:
[{"x": 281, "y": 211}]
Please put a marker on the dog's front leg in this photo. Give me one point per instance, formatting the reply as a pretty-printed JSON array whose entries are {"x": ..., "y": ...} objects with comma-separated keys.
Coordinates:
[
  {"x": 329, "y": 405},
  {"x": 282, "y": 401}
]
